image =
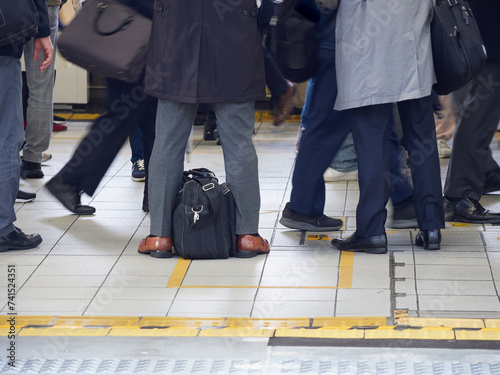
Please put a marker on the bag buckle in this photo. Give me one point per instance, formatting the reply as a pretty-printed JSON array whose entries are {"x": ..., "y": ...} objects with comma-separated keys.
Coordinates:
[
  {"x": 208, "y": 187},
  {"x": 196, "y": 210}
]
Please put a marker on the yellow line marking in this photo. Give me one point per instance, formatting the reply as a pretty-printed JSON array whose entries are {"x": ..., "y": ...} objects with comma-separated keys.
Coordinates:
[
  {"x": 426, "y": 333},
  {"x": 64, "y": 331},
  {"x": 345, "y": 270},
  {"x": 254, "y": 287},
  {"x": 171, "y": 331},
  {"x": 350, "y": 322},
  {"x": 99, "y": 321},
  {"x": 267, "y": 323},
  {"x": 442, "y": 322},
  {"x": 237, "y": 332},
  {"x": 326, "y": 333},
  {"x": 179, "y": 273},
  {"x": 163, "y": 322},
  {"x": 484, "y": 334}
]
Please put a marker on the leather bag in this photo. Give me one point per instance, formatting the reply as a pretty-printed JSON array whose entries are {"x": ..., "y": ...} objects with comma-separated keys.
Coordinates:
[
  {"x": 204, "y": 218},
  {"x": 18, "y": 21},
  {"x": 294, "y": 42},
  {"x": 108, "y": 39},
  {"x": 457, "y": 47}
]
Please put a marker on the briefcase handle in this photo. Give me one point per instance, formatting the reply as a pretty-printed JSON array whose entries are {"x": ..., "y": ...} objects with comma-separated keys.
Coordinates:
[{"x": 101, "y": 7}]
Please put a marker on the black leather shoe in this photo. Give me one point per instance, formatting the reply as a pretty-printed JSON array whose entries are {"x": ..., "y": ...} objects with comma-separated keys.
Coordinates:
[
  {"x": 31, "y": 170},
  {"x": 429, "y": 239},
  {"x": 294, "y": 220},
  {"x": 69, "y": 196},
  {"x": 24, "y": 196},
  {"x": 469, "y": 210},
  {"x": 17, "y": 240},
  {"x": 373, "y": 244}
]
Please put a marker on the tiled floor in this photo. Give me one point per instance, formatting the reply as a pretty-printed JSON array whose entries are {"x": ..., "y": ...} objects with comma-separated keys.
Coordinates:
[{"x": 89, "y": 266}]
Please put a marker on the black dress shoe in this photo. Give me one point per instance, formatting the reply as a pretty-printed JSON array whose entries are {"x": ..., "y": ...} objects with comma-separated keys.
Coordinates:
[
  {"x": 17, "y": 240},
  {"x": 31, "y": 170},
  {"x": 373, "y": 244},
  {"x": 469, "y": 211},
  {"x": 429, "y": 239},
  {"x": 24, "y": 196},
  {"x": 294, "y": 220},
  {"x": 69, "y": 196}
]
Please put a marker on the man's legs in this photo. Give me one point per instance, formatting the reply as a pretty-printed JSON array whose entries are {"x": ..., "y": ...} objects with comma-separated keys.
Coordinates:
[
  {"x": 173, "y": 126},
  {"x": 11, "y": 139},
  {"x": 40, "y": 112},
  {"x": 236, "y": 125}
]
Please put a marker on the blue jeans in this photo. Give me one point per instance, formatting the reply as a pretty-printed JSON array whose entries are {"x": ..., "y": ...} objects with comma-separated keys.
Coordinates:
[
  {"x": 40, "y": 111},
  {"x": 11, "y": 139},
  {"x": 136, "y": 146}
]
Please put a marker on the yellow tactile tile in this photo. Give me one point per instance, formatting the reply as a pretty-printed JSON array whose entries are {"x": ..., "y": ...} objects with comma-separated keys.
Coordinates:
[
  {"x": 178, "y": 273},
  {"x": 101, "y": 321},
  {"x": 427, "y": 333},
  {"x": 492, "y": 323},
  {"x": 267, "y": 323},
  {"x": 182, "y": 322},
  {"x": 26, "y": 320},
  {"x": 350, "y": 322},
  {"x": 155, "y": 332},
  {"x": 236, "y": 332},
  {"x": 325, "y": 333},
  {"x": 64, "y": 331},
  {"x": 483, "y": 334},
  {"x": 439, "y": 322}
]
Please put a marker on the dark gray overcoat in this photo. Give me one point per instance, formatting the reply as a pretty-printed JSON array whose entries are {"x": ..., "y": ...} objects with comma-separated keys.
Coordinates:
[{"x": 205, "y": 51}]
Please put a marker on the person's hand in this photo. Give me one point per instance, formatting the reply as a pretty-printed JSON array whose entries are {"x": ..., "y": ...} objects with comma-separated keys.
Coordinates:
[{"x": 45, "y": 46}]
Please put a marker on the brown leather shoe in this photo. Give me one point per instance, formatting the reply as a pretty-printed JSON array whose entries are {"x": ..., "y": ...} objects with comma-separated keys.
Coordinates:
[
  {"x": 157, "y": 247},
  {"x": 283, "y": 106},
  {"x": 248, "y": 246}
]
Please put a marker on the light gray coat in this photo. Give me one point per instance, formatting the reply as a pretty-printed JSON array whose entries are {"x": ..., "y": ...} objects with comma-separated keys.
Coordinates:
[{"x": 383, "y": 51}]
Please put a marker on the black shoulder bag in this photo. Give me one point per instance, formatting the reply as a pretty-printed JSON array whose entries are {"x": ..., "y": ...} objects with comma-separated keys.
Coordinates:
[
  {"x": 457, "y": 47},
  {"x": 204, "y": 218}
]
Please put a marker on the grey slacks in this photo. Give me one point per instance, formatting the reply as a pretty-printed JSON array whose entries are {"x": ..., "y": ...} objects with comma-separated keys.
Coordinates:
[{"x": 173, "y": 126}]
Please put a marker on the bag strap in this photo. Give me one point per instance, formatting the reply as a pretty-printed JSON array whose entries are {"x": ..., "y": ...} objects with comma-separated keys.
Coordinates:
[
  {"x": 101, "y": 7},
  {"x": 209, "y": 187}
]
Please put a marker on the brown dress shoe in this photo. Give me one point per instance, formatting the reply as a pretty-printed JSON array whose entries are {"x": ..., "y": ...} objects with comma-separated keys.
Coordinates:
[
  {"x": 283, "y": 106},
  {"x": 157, "y": 247},
  {"x": 248, "y": 246}
]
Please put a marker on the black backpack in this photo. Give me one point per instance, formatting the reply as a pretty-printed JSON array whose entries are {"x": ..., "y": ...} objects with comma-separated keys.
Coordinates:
[
  {"x": 294, "y": 42},
  {"x": 457, "y": 47},
  {"x": 204, "y": 218}
]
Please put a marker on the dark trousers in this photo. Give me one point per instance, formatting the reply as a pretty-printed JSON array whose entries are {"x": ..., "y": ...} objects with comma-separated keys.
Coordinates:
[
  {"x": 472, "y": 170},
  {"x": 370, "y": 127},
  {"x": 127, "y": 105},
  {"x": 320, "y": 141},
  {"x": 136, "y": 144}
]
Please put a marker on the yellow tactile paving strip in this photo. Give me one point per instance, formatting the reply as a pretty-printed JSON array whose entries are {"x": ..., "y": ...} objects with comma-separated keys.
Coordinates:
[
  {"x": 368, "y": 328},
  {"x": 264, "y": 116}
]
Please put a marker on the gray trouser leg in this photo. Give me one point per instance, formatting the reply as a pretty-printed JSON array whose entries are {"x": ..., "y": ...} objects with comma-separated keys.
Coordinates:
[
  {"x": 40, "y": 112},
  {"x": 173, "y": 126},
  {"x": 235, "y": 124}
]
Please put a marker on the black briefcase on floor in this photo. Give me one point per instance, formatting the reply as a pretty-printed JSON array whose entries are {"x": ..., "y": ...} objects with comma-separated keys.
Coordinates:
[{"x": 203, "y": 219}]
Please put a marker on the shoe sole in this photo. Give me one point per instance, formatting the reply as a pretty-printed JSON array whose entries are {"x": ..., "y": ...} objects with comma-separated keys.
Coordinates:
[
  {"x": 10, "y": 248},
  {"x": 306, "y": 226},
  {"x": 473, "y": 221},
  {"x": 157, "y": 253},
  {"x": 375, "y": 250},
  {"x": 432, "y": 246},
  {"x": 24, "y": 175},
  {"x": 140, "y": 179}
]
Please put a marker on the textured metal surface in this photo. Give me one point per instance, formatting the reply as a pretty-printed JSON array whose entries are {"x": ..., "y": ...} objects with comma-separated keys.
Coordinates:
[{"x": 230, "y": 367}]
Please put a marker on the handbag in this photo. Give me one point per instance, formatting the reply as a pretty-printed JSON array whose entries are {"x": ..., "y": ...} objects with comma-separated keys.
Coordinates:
[
  {"x": 18, "y": 21},
  {"x": 109, "y": 39},
  {"x": 294, "y": 42},
  {"x": 457, "y": 47},
  {"x": 204, "y": 218}
]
